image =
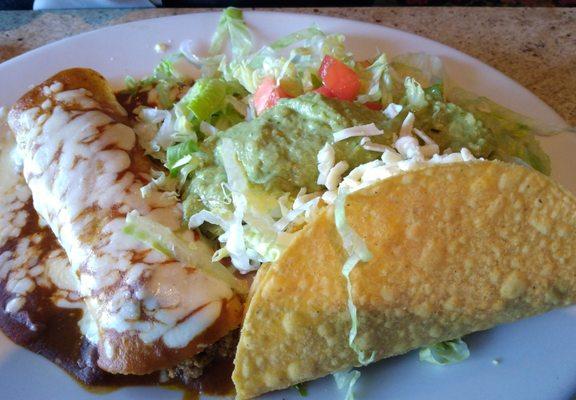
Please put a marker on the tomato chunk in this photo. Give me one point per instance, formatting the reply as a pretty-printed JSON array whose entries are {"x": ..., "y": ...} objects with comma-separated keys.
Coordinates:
[
  {"x": 339, "y": 79},
  {"x": 324, "y": 91},
  {"x": 374, "y": 105},
  {"x": 267, "y": 95}
]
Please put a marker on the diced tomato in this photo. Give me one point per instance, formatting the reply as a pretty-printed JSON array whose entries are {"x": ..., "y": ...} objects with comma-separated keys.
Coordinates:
[
  {"x": 374, "y": 105},
  {"x": 324, "y": 91},
  {"x": 267, "y": 95},
  {"x": 339, "y": 78}
]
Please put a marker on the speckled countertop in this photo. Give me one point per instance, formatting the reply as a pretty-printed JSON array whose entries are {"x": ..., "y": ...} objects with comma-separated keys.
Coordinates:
[{"x": 535, "y": 46}]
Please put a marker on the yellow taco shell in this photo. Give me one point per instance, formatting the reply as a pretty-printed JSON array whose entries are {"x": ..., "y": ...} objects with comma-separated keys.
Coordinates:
[{"x": 457, "y": 248}]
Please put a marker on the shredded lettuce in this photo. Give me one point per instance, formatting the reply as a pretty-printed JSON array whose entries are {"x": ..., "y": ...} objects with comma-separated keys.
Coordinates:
[
  {"x": 302, "y": 389},
  {"x": 380, "y": 83},
  {"x": 297, "y": 71},
  {"x": 445, "y": 353},
  {"x": 155, "y": 130},
  {"x": 208, "y": 129},
  {"x": 166, "y": 72},
  {"x": 232, "y": 28},
  {"x": 346, "y": 380},
  {"x": 357, "y": 251},
  {"x": 295, "y": 37},
  {"x": 205, "y": 216},
  {"x": 160, "y": 182},
  {"x": 292, "y": 215},
  {"x": 195, "y": 253},
  {"x": 204, "y": 99},
  {"x": 427, "y": 69},
  {"x": 264, "y": 244},
  {"x": 163, "y": 79},
  {"x": 178, "y": 155},
  {"x": 415, "y": 95},
  {"x": 173, "y": 136},
  {"x": 208, "y": 65},
  {"x": 209, "y": 106},
  {"x": 237, "y": 183},
  {"x": 352, "y": 242}
]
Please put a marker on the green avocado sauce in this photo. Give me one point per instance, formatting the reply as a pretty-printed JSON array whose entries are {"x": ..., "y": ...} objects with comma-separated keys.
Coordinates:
[{"x": 278, "y": 150}]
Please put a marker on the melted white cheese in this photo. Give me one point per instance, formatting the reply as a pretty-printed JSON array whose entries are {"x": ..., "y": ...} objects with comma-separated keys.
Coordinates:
[
  {"x": 185, "y": 331},
  {"x": 77, "y": 164},
  {"x": 28, "y": 266}
]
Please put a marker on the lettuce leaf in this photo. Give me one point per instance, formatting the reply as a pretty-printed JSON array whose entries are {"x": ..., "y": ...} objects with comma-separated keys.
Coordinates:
[
  {"x": 415, "y": 97},
  {"x": 352, "y": 242},
  {"x": 302, "y": 389},
  {"x": 263, "y": 243},
  {"x": 163, "y": 79},
  {"x": 445, "y": 353},
  {"x": 427, "y": 69},
  {"x": 237, "y": 182},
  {"x": 295, "y": 37},
  {"x": 196, "y": 253},
  {"x": 178, "y": 155},
  {"x": 204, "y": 99},
  {"x": 379, "y": 82},
  {"x": 346, "y": 380},
  {"x": 357, "y": 251},
  {"x": 232, "y": 28},
  {"x": 296, "y": 72}
]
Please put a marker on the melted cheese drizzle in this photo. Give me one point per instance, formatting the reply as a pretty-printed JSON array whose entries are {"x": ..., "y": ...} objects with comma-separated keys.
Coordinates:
[
  {"x": 30, "y": 264},
  {"x": 77, "y": 163}
]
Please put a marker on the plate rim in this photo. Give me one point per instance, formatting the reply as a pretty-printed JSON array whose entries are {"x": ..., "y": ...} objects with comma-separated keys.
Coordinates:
[{"x": 275, "y": 14}]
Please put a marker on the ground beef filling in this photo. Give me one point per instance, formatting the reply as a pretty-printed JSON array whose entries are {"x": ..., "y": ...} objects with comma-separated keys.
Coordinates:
[{"x": 192, "y": 369}]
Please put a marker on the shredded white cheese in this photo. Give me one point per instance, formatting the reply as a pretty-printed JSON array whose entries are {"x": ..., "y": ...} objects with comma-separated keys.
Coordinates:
[
  {"x": 326, "y": 160},
  {"x": 360, "y": 130},
  {"x": 302, "y": 197},
  {"x": 407, "y": 125},
  {"x": 335, "y": 175},
  {"x": 283, "y": 222},
  {"x": 407, "y": 154},
  {"x": 392, "y": 110},
  {"x": 367, "y": 144},
  {"x": 427, "y": 139}
]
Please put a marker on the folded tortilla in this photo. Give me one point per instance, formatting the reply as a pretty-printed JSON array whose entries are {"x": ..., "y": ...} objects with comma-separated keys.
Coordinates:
[
  {"x": 456, "y": 248},
  {"x": 85, "y": 171}
]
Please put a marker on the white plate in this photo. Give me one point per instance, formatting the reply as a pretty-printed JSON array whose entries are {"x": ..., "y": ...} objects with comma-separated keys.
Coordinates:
[{"x": 537, "y": 356}]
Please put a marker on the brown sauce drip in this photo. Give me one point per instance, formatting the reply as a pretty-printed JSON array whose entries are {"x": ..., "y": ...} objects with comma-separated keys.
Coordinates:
[
  {"x": 58, "y": 338},
  {"x": 131, "y": 101}
]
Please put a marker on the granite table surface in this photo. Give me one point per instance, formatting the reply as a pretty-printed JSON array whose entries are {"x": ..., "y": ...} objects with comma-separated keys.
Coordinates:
[{"x": 534, "y": 46}]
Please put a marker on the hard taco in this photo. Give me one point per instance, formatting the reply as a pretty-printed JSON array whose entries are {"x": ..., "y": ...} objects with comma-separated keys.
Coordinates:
[{"x": 441, "y": 252}]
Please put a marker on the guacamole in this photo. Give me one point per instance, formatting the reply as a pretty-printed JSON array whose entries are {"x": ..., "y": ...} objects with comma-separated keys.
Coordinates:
[
  {"x": 486, "y": 134},
  {"x": 278, "y": 150}
]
